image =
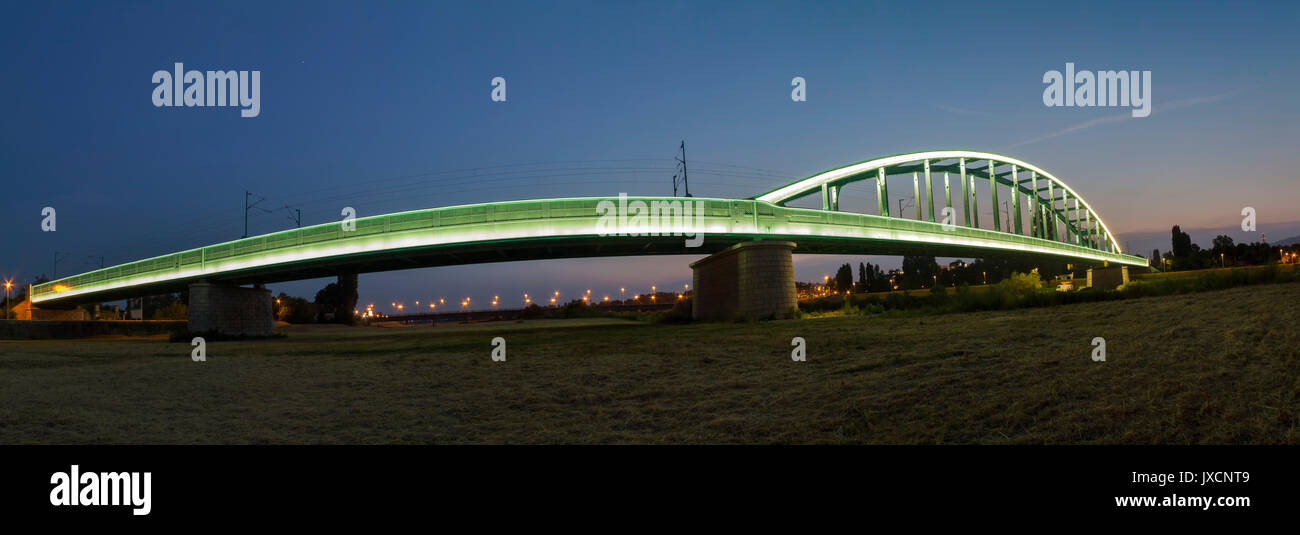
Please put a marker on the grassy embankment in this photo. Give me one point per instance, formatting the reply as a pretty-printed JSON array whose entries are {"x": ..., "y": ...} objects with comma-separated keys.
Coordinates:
[{"x": 1207, "y": 367}]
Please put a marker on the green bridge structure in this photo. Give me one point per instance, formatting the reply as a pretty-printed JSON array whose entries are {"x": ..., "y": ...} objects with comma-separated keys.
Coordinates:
[{"x": 748, "y": 242}]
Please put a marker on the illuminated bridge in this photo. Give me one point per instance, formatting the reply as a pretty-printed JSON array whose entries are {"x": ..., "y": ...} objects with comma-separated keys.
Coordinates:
[{"x": 1047, "y": 220}]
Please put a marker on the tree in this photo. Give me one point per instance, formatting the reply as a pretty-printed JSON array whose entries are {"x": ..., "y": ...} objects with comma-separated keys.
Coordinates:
[
  {"x": 1222, "y": 243},
  {"x": 1182, "y": 247},
  {"x": 294, "y": 309},
  {"x": 863, "y": 285},
  {"x": 1155, "y": 258},
  {"x": 919, "y": 271},
  {"x": 844, "y": 278},
  {"x": 328, "y": 301},
  {"x": 875, "y": 279}
]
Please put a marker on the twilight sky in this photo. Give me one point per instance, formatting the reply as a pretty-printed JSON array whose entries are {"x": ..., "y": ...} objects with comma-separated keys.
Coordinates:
[{"x": 386, "y": 108}]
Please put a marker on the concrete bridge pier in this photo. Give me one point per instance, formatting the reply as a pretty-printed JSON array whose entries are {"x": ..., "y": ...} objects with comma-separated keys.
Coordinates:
[
  {"x": 231, "y": 310},
  {"x": 754, "y": 279}
]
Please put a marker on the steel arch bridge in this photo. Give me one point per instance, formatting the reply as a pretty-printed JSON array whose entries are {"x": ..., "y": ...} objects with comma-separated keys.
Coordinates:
[{"x": 1051, "y": 227}]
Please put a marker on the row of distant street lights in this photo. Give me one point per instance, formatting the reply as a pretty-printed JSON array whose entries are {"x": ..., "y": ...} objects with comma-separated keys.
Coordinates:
[
  {"x": 825, "y": 290},
  {"x": 553, "y": 298}
]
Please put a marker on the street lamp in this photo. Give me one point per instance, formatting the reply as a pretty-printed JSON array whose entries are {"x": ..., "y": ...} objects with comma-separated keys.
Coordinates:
[{"x": 9, "y": 283}]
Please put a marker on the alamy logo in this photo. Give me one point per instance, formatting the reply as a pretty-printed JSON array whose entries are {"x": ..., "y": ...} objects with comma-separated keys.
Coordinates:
[
  {"x": 658, "y": 218},
  {"x": 103, "y": 488},
  {"x": 1103, "y": 88},
  {"x": 215, "y": 88}
]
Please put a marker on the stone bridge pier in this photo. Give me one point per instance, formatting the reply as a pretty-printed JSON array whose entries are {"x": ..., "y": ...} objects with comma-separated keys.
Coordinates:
[
  {"x": 754, "y": 279},
  {"x": 231, "y": 309}
]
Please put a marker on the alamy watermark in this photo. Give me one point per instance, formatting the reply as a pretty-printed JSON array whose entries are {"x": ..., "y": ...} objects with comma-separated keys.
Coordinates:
[
  {"x": 657, "y": 218},
  {"x": 214, "y": 88},
  {"x": 102, "y": 488},
  {"x": 49, "y": 219},
  {"x": 1103, "y": 88},
  {"x": 498, "y": 349}
]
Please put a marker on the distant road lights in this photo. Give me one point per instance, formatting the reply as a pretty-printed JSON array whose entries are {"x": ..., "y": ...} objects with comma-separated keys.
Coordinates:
[
  {"x": 552, "y": 300},
  {"x": 986, "y": 277},
  {"x": 607, "y": 299}
]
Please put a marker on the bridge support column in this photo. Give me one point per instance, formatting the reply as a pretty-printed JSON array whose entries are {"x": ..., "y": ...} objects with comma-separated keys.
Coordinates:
[
  {"x": 231, "y": 310},
  {"x": 1108, "y": 277},
  {"x": 754, "y": 279}
]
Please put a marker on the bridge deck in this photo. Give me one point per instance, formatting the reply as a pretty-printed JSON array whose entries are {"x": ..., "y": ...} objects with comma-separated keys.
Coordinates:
[{"x": 538, "y": 229}]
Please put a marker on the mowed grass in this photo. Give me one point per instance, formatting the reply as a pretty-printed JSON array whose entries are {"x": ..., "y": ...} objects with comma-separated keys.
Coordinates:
[{"x": 1217, "y": 367}]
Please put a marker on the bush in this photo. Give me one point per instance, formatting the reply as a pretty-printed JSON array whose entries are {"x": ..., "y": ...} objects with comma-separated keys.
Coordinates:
[
  {"x": 679, "y": 314},
  {"x": 173, "y": 311}
]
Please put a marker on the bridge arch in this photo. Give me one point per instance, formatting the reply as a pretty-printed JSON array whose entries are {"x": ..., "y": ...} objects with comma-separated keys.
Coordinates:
[{"x": 1085, "y": 227}]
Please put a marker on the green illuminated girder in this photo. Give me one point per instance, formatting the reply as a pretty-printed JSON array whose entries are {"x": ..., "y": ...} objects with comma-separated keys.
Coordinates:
[{"x": 527, "y": 230}]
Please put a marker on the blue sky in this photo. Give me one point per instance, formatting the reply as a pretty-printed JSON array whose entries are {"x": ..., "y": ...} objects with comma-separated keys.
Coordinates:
[{"x": 357, "y": 96}]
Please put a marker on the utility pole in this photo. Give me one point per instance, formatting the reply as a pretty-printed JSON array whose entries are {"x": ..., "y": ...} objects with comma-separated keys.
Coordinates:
[
  {"x": 295, "y": 215},
  {"x": 681, "y": 163},
  {"x": 247, "y": 196},
  {"x": 56, "y": 263}
]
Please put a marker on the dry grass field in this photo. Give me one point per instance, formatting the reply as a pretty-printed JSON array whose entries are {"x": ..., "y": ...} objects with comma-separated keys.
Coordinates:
[{"x": 1219, "y": 367}]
